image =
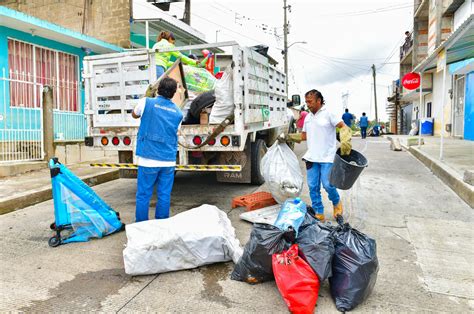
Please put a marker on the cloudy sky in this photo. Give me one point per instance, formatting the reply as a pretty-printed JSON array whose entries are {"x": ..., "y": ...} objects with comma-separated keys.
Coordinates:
[{"x": 344, "y": 39}]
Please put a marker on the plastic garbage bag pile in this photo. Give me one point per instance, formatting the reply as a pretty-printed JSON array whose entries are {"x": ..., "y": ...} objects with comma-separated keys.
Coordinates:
[
  {"x": 282, "y": 173},
  {"x": 300, "y": 252},
  {"x": 199, "y": 236}
]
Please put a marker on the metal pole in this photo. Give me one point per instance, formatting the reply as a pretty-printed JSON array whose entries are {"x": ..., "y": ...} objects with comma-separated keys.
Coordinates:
[
  {"x": 48, "y": 135},
  {"x": 285, "y": 44},
  {"x": 147, "y": 35},
  {"x": 375, "y": 95},
  {"x": 419, "y": 109},
  {"x": 442, "y": 115}
]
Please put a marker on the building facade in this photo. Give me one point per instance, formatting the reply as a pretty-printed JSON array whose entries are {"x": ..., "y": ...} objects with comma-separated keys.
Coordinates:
[
  {"x": 441, "y": 49},
  {"x": 43, "y": 42}
]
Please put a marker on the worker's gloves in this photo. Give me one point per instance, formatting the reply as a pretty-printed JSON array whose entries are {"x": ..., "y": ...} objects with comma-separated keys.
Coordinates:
[
  {"x": 291, "y": 137},
  {"x": 345, "y": 135}
]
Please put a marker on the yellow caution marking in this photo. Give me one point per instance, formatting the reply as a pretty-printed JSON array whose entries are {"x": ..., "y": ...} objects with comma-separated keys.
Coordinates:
[{"x": 226, "y": 168}]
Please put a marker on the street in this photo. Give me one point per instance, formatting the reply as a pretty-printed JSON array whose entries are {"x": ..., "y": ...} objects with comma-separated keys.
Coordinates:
[{"x": 422, "y": 228}]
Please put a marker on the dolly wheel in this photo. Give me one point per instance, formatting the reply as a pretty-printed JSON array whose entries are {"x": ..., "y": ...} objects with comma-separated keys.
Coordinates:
[
  {"x": 53, "y": 226},
  {"x": 54, "y": 241}
]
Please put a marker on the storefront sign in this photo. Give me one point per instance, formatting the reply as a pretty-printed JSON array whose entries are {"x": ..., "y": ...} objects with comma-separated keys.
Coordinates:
[{"x": 411, "y": 80}]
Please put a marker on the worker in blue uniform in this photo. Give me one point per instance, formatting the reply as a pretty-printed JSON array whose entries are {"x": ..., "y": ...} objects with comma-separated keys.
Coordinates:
[{"x": 157, "y": 145}]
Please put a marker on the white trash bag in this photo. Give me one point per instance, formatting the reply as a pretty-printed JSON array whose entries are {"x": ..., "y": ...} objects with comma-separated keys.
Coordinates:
[
  {"x": 199, "y": 236},
  {"x": 224, "y": 104},
  {"x": 282, "y": 173}
]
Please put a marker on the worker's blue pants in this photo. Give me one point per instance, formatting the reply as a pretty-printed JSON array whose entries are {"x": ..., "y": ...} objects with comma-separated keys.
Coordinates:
[
  {"x": 148, "y": 178},
  {"x": 159, "y": 71},
  {"x": 320, "y": 172}
]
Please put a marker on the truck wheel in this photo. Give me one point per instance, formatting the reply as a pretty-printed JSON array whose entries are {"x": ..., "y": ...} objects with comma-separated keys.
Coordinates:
[{"x": 258, "y": 150}]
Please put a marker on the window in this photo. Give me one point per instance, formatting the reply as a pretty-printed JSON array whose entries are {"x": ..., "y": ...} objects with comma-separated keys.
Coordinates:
[
  {"x": 31, "y": 65},
  {"x": 428, "y": 109}
]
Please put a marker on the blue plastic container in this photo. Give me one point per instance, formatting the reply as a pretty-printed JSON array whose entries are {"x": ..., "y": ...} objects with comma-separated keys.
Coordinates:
[
  {"x": 292, "y": 215},
  {"x": 427, "y": 126}
]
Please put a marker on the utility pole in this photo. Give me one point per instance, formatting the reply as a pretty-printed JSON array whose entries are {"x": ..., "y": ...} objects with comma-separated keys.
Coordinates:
[
  {"x": 375, "y": 94},
  {"x": 285, "y": 44},
  {"x": 187, "y": 12}
]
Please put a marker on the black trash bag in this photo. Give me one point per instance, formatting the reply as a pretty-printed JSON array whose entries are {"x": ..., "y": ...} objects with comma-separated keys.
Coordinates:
[
  {"x": 316, "y": 247},
  {"x": 354, "y": 267},
  {"x": 255, "y": 265},
  {"x": 202, "y": 101}
]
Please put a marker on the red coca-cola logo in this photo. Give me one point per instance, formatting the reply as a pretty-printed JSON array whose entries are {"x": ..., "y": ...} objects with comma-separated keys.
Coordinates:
[{"x": 411, "y": 80}]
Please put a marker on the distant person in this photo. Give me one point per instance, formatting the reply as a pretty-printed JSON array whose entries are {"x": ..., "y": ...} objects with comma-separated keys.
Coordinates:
[
  {"x": 157, "y": 144},
  {"x": 363, "y": 123},
  {"x": 347, "y": 118},
  {"x": 163, "y": 60},
  {"x": 300, "y": 122}
]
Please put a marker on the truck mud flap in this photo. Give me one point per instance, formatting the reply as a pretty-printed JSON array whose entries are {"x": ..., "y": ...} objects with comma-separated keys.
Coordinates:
[{"x": 235, "y": 158}]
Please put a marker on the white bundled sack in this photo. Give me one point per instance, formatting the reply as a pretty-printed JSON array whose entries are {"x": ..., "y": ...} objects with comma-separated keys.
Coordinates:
[
  {"x": 282, "y": 172},
  {"x": 224, "y": 104},
  {"x": 199, "y": 236}
]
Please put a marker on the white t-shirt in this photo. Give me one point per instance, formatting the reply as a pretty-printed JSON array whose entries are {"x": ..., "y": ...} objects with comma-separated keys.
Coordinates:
[
  {"x": 146, "y": 162},
  {"x": 320, "y": 131}
]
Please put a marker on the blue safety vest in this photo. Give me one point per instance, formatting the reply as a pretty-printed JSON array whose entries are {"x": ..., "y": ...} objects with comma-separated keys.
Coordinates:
[
  {"x": 157, "y": 136},
  {"x": 363, "y": 122}
]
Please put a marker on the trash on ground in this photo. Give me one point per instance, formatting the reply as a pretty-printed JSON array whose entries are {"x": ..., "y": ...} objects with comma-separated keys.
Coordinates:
[
  {"x": 199, "y": 236},
  {"x": 281, "y": 171},
  {"x": 316, "y": 246},
  {"x": 255, "y": 266},
  {"x": 254, "y": 201},
  {"x": 291, "y": 215},
  {"x": 265, "y": 215},
  {"x": 354, "y": 267},
  {"x": 78, "y": 210},
  {"x": 296, "y": 281}
]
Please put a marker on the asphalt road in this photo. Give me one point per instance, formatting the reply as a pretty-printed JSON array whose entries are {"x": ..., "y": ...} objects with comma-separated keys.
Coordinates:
[{"x": 397, "y": 201}]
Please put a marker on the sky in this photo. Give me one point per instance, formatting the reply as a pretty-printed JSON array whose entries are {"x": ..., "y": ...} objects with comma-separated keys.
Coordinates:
[{"x": 343, "y": 40}]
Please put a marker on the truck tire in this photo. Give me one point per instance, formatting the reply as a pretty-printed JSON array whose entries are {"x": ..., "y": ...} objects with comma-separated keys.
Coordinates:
[{"x": 258, "y": 150}]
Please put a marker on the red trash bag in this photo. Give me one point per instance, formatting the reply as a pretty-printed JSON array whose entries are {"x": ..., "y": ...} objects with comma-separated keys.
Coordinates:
[{"x": 297, "y": 282}]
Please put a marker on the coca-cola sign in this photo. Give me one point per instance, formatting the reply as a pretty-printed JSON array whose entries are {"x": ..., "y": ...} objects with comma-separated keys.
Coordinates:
[{"x": 411, "y": 80}]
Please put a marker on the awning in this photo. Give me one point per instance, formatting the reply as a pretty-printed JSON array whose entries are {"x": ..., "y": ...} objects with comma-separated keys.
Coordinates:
[
  {"x": 32, "y": 25},
  {"x": 158, "y": 21},
  {"x": 414, "y": 95},
  {"x": 462, "y": 67},
  {"x": 459, "y": 46}
]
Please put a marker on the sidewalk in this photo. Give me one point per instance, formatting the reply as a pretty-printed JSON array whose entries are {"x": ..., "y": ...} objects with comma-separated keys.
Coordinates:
[
  {"x": 457, "y": 163},
  {"x": 34, "y": 187}
]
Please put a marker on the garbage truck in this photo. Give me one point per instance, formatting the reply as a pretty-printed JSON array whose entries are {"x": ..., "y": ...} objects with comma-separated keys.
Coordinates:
[{"x": 233, "y": 147}]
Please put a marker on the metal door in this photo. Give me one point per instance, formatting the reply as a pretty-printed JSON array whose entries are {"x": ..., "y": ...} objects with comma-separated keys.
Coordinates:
[{"x": 458, "y": 112}]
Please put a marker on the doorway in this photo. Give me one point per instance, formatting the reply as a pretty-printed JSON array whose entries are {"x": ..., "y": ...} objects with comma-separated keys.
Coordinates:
[{"x": 458, "y": 112}]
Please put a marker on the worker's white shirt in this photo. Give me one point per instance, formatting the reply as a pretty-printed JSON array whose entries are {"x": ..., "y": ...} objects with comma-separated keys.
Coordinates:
[
  {"x": 146, "y": 162},
  {"x": 320, "y": 131}
]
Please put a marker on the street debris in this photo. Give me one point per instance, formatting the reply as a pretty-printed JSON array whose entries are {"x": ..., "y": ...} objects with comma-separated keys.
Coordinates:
[
  {"x": 78, "y": 210},
  {"x": 296, "y": 281},
  {"x": 316, "y": 246},
  {"x": 282, "y": 173},
  {"x": 255, "y": 266},
  {"x": 339, "y": 252},
  {"x": 355, "y": 267},
  {"x": 197, "y": 237},
  {"x": 291, "y": 215}
]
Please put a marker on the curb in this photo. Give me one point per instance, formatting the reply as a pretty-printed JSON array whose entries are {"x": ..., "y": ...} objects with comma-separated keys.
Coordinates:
[
  {"x": 462, "y": 189},
  {"x": 44, "y": 194}
]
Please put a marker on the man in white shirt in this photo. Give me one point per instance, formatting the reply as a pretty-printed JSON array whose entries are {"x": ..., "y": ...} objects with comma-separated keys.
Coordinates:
[{"x": 319, "y": 130}]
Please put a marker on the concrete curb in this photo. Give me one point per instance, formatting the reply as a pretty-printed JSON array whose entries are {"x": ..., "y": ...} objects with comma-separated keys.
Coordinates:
[
  {"x": 447, "y": 175},
  {"x": 43, "y": 194}
]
